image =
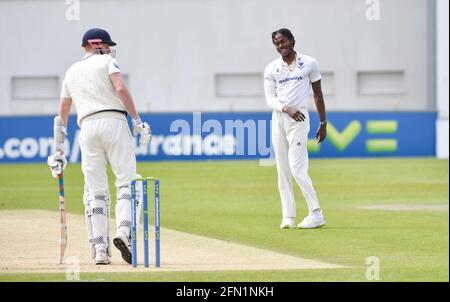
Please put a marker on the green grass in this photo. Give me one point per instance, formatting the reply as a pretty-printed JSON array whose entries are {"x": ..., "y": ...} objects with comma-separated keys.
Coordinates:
[{"x": 238, "y": 201}]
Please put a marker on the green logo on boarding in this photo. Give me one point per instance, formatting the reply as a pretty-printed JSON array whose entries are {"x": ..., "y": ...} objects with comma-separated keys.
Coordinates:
[{"x": 341, "y": 140}]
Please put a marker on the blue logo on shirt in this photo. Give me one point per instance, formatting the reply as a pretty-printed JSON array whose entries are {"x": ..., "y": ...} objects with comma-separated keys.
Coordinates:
[{"x": 290, "y": 79}]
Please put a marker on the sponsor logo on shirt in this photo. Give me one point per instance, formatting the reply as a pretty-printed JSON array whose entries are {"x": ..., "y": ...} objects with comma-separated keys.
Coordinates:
[{"x": 290, "y": 79}]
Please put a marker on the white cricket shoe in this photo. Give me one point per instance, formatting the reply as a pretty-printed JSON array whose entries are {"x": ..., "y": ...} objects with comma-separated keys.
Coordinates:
[
  {"x": 123, "y": 244},
  {"x": 102, "y": 257},
  {"x": 287, "y": 224},
  {"x": 312, "y": 221}
]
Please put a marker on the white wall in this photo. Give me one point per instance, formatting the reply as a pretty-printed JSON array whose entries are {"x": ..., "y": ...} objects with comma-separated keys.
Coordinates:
[
  {"x": 174, "y": 49},
  {"x": 442, "y": 62}
]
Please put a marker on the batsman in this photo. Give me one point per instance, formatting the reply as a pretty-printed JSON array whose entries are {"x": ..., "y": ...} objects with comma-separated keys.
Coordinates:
[{"x": 102, "y": 101}]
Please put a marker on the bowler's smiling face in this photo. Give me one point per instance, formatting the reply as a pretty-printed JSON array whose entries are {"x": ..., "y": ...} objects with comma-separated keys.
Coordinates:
[{"x": 283, "y": 45}]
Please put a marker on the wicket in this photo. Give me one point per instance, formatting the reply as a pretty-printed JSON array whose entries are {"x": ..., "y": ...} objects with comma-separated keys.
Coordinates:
[{"x": 145, "y": 210}]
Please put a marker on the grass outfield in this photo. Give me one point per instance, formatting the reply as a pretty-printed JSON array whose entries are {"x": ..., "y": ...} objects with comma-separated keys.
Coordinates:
[{"x": 238, "y": 201}]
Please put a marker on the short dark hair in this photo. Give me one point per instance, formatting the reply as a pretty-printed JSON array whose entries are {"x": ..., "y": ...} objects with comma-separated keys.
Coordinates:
[{"x": 285, "y": 32}]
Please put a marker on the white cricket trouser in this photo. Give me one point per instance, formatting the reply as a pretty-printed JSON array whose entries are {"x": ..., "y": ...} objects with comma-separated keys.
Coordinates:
[
  {"x": 289, "y": 139},
  {"x": 104, "y": 140},
  {"x": 107, "y": 138}
]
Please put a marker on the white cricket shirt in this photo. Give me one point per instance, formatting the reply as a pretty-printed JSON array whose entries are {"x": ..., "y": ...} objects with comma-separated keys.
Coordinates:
[
  {"x": 290, "y": 88},
  {"x": 88, "y": 83}
]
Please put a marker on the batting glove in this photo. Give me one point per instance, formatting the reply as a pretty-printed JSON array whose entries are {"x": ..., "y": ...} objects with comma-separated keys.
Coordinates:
[
  {"x": 143, "y": 129},
  {"x": 57, "y": 163}
]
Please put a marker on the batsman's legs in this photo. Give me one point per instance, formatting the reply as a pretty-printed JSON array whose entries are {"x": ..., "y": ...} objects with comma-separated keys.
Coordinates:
[
  {"x": 124, "y": 218},
  {"x": 96, "y": 194},
  {"x": 120, "y": 153}
]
